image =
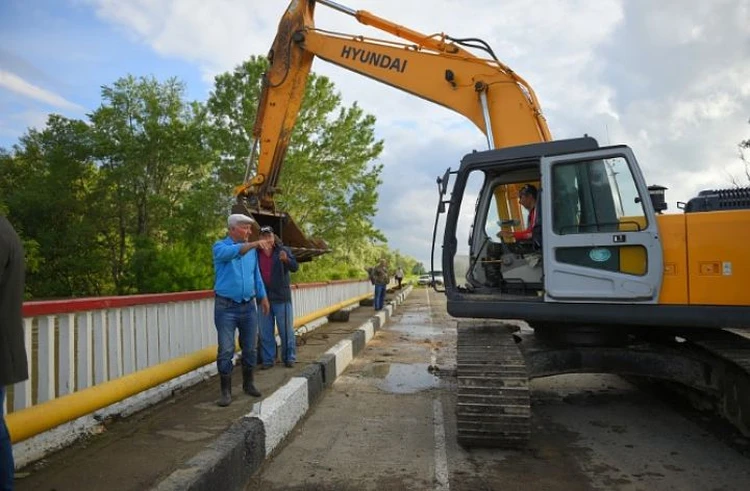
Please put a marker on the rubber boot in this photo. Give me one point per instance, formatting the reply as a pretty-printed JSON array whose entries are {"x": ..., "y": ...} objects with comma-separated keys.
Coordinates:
[
  {"x": 226, "y": 390},
  {"x": 247, "y": 382}
]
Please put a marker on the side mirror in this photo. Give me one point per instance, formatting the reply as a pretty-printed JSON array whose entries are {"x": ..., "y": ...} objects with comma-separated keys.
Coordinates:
[{"x": 443, "y": 181}]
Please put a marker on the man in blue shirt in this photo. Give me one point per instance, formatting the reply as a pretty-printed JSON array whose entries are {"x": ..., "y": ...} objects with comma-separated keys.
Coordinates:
[{"x": 238, "y": 286}]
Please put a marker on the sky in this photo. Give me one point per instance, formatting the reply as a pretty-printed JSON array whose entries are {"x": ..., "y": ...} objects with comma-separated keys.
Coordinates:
[{"x": 669, "y": 78}]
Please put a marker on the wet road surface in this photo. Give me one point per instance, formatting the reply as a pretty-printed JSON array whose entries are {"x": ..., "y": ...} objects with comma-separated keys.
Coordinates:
[{"x": 388, "y": 423}]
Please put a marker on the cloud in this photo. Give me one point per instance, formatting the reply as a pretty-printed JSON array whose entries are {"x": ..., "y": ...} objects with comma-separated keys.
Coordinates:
[
  {"x": 218, "y": 34},
  {"x": 10, "y": 125},
  {"x": 20, "y": 86},
  {"x": 682, "y": 90}
]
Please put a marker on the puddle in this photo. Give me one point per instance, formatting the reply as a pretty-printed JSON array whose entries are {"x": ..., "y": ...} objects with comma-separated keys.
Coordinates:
[
  {"x": 416, "y": 330},
  {"x": 417, "y": 325},
  {"x": 399, "y": 378}
]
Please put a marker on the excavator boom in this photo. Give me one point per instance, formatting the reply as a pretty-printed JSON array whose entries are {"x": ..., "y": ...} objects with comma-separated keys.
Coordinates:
[{"x": 434, "y": 67}]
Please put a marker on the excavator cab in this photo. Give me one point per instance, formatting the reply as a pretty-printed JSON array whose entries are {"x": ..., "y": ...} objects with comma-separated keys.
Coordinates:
[
  {"x": 595, "y": 240},
  {"x": 513, "y": 262}
]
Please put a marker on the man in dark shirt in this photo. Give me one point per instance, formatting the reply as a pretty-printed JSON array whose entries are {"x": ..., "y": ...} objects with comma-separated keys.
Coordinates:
[
  {"x": 13, "y": 362},
  {"x": 276, "y": 263},
  {"x": 380, "y": 278}
]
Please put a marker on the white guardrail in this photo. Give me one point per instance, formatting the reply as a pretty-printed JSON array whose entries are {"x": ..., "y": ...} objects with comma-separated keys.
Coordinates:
[{"x": 79, "y": 343}]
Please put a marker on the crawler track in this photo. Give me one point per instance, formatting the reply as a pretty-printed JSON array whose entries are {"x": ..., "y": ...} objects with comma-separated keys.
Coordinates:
[
  {"x": 732, "y": 348},
  {"x": 493, "y": 408},
  {"x": 493, "y": 371}
]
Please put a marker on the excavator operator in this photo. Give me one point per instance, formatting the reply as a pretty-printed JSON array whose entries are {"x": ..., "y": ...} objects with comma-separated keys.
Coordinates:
[{"x": 527, "y": 196}]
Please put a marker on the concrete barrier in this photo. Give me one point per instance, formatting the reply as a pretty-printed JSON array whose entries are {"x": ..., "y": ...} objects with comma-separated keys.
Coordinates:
[{"x": 231, "y": 460}]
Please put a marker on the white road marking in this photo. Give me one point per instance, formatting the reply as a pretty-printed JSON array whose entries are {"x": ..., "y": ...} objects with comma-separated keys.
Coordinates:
[
  {"x": 429, "y": 307},
  {"x": 442, "y": 482}
]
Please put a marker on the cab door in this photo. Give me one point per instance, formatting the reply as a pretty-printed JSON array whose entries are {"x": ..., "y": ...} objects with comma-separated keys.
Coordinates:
[{"x": 600, "y": 239}]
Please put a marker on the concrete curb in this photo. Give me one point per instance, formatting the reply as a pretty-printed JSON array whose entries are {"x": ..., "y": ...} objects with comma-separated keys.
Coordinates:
[{"x": 230, "y": 461}]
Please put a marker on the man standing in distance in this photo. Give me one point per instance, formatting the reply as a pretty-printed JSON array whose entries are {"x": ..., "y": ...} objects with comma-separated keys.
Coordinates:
[
  {"x": 379, "y": 277},
  {"x": 399, "y": 276},
  {"x": 275, "y": 265},
  {"x": 238, "y": 286},
  {"x": 13, "y": 362}
]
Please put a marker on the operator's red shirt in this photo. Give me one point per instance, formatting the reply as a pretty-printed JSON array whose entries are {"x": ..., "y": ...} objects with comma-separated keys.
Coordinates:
[{"x": 526, "y": 234}]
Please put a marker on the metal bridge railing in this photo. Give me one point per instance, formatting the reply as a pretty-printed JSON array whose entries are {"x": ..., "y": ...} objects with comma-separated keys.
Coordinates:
[{"x": 77, "y": 344}]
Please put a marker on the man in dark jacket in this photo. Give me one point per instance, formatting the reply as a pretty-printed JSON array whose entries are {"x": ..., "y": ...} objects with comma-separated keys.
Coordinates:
[
  {"x": 380, "y": 278},
  {"x": 275, "y": 265},
  {"x": 13, "y": 364}
]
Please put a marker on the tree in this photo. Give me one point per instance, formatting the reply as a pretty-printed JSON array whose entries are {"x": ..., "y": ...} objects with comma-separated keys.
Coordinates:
[
  {"x": 743, "y": 149},
  {"x": 418, "y": 269},
  {"x": 232, "y": 106},
  {"x": 48, "y": 190},
  {"x": 328, "y": 180},
  {"x": 155, "y": 164}
]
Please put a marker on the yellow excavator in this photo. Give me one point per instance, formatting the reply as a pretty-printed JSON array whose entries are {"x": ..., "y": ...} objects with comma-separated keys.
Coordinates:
[{"x": 606, "y": 282}]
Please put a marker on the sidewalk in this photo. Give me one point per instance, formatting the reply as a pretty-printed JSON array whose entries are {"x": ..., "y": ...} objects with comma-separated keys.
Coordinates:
[{"x": 185, "y": 440}]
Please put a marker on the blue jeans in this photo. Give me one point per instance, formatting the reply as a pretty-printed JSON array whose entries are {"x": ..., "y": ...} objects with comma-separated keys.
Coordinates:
[
  {"x": 6, "y": 450},
  {"x": 282, "y": 315},
  {"x": 228, "y": 316},
  {"x": 379, "y": 296}
]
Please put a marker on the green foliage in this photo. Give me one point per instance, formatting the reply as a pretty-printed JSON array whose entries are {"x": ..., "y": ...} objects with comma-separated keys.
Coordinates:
[
  {"x": 328, "y": 181},
  {"x": 47, "y": 187},
  {"x": 175, "y": 268},
  {"x": 231, "y": 109},
  {"x": 156, "y": 173},
  {"x": 131, "y": 200},
  {"x": 330, "y": 187}
]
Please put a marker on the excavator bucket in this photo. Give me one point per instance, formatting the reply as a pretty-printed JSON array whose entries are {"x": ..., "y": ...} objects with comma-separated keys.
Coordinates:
[{"x": 303, "y": 248}]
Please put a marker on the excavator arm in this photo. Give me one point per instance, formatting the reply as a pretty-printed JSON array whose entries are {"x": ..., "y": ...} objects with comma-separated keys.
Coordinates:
[{"x": 434, "y": 67}]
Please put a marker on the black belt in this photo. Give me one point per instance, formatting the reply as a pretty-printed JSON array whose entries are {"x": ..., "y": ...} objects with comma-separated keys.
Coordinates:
[{"x": 235, "y": 302}]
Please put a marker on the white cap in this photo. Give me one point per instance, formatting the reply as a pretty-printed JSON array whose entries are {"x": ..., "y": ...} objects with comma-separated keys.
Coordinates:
[{"x": 237, "y": 218}]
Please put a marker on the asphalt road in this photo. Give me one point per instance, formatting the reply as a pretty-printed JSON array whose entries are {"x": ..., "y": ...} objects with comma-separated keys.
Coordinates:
[{"x": 388, "y": 423}]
